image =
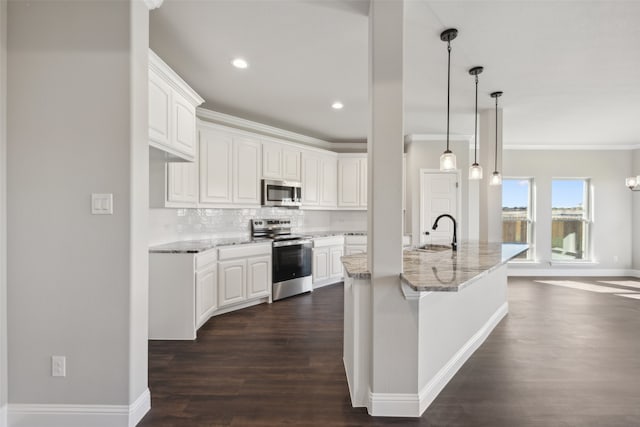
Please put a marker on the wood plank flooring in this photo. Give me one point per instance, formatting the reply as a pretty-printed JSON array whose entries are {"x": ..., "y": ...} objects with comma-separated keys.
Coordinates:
[{"x": 562, "y": 357}]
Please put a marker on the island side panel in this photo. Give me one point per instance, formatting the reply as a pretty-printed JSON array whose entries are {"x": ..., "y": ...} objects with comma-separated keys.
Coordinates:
[
  {"x": 172, "y": 296},
  {"x": 453, "y": 325}
]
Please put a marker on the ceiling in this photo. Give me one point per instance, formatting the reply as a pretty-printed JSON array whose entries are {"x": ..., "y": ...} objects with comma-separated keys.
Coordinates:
[{"x": 569, "y": 69}]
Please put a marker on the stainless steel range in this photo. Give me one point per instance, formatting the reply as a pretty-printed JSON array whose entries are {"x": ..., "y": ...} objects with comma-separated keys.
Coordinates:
[{"x": 291, "y": 255}]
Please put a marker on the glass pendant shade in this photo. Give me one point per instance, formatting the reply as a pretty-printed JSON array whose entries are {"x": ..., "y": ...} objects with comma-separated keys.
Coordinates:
[
  {"x": 475, "y": 172},
  {"x": 496, "y": 178},
  {"x": 632, "y": 181},
  {"x": 448, "y": 161}
]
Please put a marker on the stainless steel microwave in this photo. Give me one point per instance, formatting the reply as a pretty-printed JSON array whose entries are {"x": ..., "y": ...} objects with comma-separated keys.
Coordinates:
[{"x": 287, "y": 194}]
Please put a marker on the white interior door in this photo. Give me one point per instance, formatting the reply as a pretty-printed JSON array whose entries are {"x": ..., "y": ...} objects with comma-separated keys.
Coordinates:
[{"x": 438, "y": 195}]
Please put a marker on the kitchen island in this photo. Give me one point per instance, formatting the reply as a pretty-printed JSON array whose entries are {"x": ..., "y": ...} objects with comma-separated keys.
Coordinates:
[{"x": 445, "y": 305}]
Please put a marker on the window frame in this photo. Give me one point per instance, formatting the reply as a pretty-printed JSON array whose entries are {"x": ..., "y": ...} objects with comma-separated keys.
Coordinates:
[
  {"x": 531, "y": 218},
  {"x": 587, "y": 221}
]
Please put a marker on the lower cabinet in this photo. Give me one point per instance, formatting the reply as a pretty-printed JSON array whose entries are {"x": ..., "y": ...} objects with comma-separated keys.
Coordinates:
[
  {"x": 186, "y": 289},
  {"x": 327, "y": 266},
  {"x": 355, "y": 245}
]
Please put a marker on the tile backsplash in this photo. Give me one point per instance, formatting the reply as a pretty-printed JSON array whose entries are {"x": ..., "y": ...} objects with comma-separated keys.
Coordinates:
[{"x": 170, "y": 225}]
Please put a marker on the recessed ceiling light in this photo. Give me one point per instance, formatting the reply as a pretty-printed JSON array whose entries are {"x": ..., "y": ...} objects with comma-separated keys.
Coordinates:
[
  {"x": 240, "y": 63},
  {"x": 337, "y": 105}
]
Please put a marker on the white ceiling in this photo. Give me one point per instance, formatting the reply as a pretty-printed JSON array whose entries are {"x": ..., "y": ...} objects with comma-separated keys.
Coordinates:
[{"x": 570, "y": 71}]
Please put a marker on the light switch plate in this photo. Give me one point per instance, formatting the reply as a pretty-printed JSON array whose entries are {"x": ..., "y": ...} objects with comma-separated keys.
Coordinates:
[{"x": 102, "y": 204}]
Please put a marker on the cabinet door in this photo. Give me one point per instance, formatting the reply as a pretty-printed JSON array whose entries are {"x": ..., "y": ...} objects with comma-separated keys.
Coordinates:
[
  {"x": 231, "y": 282},
  {"x": 336, "y": 265},
  {"x": 258, "y": 276},
  {"x": 310, "y": 179},
  {"x": 206, "y": 294},
  {"x": 182, "y": 183},
  {"x": 159, "y": 110},
  {"x": 348, "y": 182},
  {"x": 246, "y": 176},
  {"x": 271, "y": 160},
  {"x": 320, "y": 264},
  {"x": 363, "y": 182},
  {"x": 184, "y": 126},
  {"x": 329, "y": 182},
  {"x": 291, "y": 164},
  {"x": 216, "y": 161}
]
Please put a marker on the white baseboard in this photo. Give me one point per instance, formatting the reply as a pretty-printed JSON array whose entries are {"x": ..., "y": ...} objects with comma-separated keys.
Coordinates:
[
  {"x": 3, "y": 416},
  {"x": 54, "y": 415},
  {"x": 575, "y": 272},
  {"x": 414, "y": 404},
  {"x": 634, "y": 273}
]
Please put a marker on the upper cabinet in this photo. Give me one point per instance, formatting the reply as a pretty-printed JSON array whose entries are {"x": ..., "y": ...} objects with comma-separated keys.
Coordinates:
[
  {"x": 280, "y": 162},
  {"x": 352, "y": 181},
  {"x": 172, "y": 112},
  {"x": 319, "y": 187},
  {"x": 230, "y": 168}
]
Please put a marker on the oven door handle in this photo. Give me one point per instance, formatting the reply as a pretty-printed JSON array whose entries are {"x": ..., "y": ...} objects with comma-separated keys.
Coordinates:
[{"x": 292, "y": 243}]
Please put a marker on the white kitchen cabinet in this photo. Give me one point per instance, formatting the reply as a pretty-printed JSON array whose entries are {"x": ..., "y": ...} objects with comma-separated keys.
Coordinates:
[
  {"x": 335, "y": 253},
  {"x": 232, "y": 277},
  {"x": 182, "y": 293},
  {"x": 310, "y": 179},
  {"x": 216, "y": 167},
  {"x": 280, "y": 162},
  {"x": 246, "y": 175},
  {"x": 364, "y": 179},
  {"x": 172, "y": 112},
  {"x": 172, "y": 184},
  {"x": 355, "y": 245},
  {"x": 291, "y": 159},
  {"x": 206, "y": 293},
  {"x": 328, "y": 181},
  {"x": 321, "y": 265},
  {"x": 258, "y": 277},
  {"x": 244, "y": 274},
  {"x": 349, "y": 177},
  {"x": 327, "y": 266}
]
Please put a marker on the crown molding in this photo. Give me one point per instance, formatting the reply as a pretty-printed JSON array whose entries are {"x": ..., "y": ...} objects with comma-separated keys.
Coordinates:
[
  {"x": 153, "y": 4},
  {"x": 571, "y": 147},
  {"x": 437, "y": 138},
  {"x": 271, "y": 131},
  {"x": 173, "y": 79}
]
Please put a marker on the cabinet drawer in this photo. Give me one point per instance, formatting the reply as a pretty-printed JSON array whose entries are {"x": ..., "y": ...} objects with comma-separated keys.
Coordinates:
[
  {"x": 243, "y": 251},
  {"x": 355, "y": 240},
  {"x": 205, "y": 258},
  {"x": 328, "y": 241}
]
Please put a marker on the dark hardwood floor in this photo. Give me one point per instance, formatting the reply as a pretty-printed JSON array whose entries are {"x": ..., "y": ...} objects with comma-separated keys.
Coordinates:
[{"x": 562, "y": 357}]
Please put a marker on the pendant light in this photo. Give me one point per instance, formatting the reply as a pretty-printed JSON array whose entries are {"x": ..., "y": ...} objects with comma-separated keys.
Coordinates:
[
  {"x": 448, "y": 159},
  {"x": 475, "y": 170},
  {"x": 496, "y": 178}
]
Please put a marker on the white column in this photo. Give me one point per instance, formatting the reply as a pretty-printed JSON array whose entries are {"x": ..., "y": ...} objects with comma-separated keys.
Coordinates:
[
  {"x": 490, "y": 227},
  {"x": 636, "y": 213},
  {"x": 394, "y": 351},
  {"x": 3, "y": 211}
]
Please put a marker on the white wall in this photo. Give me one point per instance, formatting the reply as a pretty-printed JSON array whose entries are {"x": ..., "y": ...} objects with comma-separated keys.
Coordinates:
[
  {"x": 636, "y": 212},
  {"x": 610, "y": 235},
  {"x": 71, "y": 133},
  {"x": 426, "y": 155},
  {"x": 3, "y": 209}
]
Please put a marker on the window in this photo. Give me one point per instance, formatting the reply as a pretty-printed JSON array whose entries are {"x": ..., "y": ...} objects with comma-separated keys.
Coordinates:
[
  {"x": 570, "y": 219},
  {"x": 517, "y": 218}
]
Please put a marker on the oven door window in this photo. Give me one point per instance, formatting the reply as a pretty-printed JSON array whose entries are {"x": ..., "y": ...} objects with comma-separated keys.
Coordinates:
[
  {"x": 277, "y": 193},
  {"x": 291, "y": 262}
]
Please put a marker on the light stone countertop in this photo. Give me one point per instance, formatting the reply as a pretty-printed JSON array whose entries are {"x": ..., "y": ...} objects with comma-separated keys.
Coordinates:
[
  {"x": 443, "y": 271},
  {"x": 197, "y": 246}
]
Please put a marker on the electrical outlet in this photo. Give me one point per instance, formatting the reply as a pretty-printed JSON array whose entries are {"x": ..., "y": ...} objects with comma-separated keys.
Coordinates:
[{"x": 58, "y": 366}]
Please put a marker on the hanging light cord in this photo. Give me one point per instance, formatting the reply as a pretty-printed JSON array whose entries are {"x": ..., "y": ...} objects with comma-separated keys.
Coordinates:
[
  {"x": 475, "y": 129},
  {"x": 496, "y": 160},
  {"x": 448, "y": 88}
]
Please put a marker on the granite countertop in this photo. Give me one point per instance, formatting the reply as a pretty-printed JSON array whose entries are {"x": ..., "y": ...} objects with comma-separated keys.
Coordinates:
[
  {"x": 443, "y": 271},
  {"x": 319, "y": 234},
  {"x": 196, "y": 246}
]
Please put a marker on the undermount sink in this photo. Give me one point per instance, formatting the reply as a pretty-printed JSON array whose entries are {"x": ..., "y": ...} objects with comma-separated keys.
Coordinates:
[{"x": 433, "y": 248}]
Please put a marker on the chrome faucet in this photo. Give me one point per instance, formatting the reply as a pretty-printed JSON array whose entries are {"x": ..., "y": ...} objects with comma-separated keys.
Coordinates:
[{"x": 454, "y": 243}]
